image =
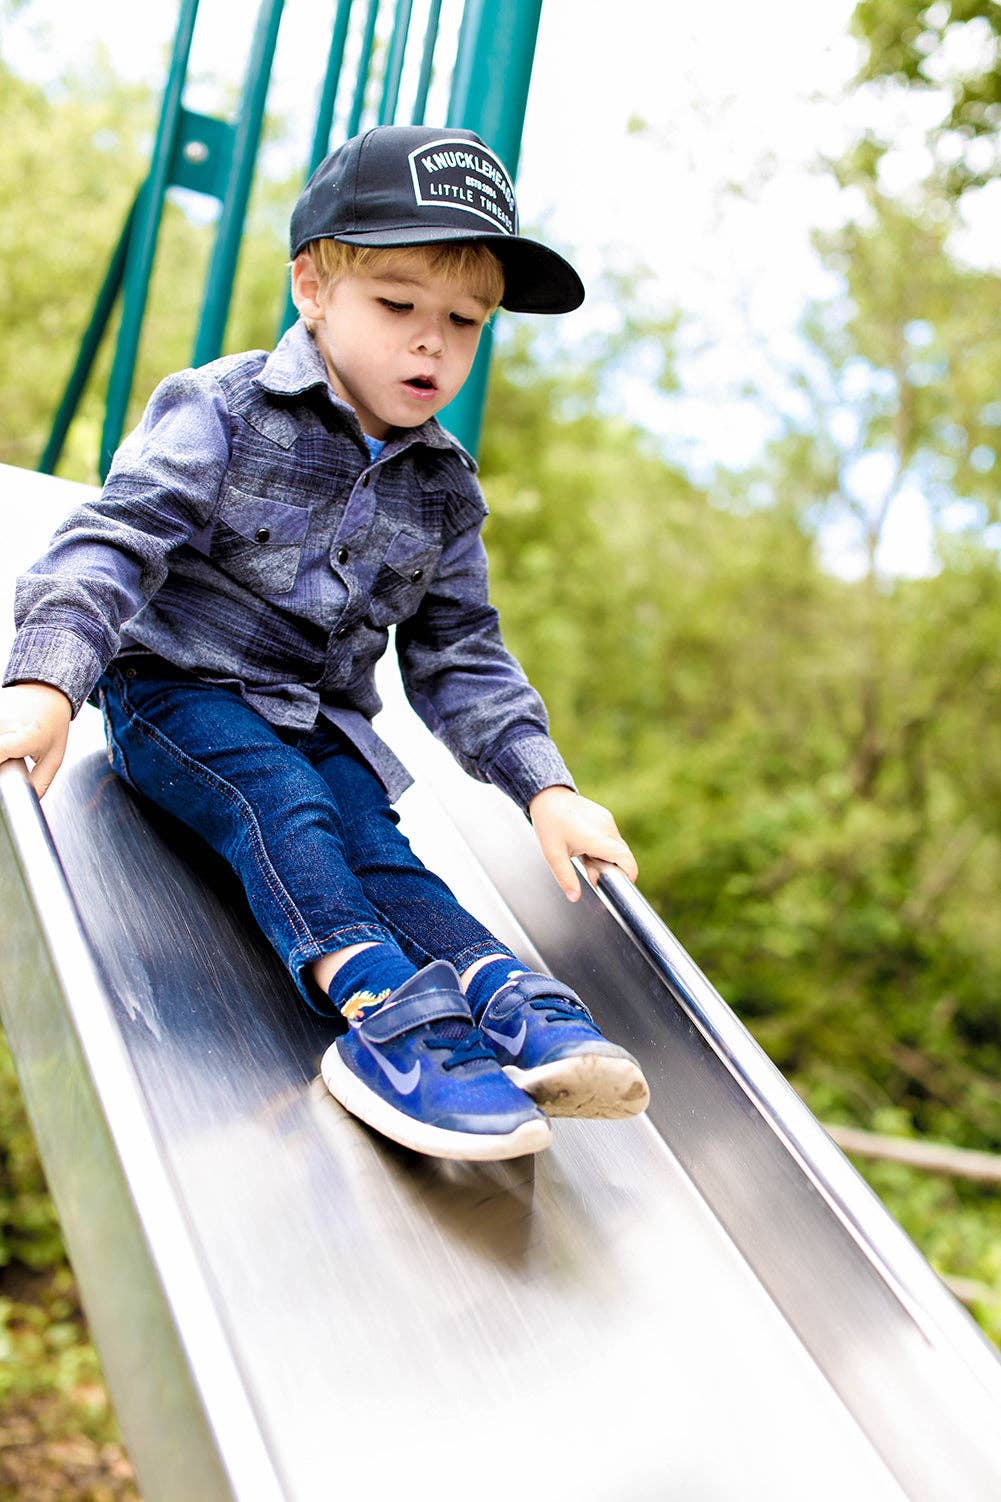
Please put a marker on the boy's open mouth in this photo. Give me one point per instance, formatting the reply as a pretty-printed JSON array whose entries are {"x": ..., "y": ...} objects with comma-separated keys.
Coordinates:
[{"x": 421, "y": 383}]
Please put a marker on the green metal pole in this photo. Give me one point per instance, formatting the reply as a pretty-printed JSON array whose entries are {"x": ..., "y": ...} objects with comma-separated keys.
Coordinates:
[
  {"x": 427, "y": 62},
  {"x": 328, "y": 94},
  {"x": 142, "y": 243},
  {"x": 89, "y": 346},
  {"x": 493, "y": 69},
  {"x": 364, "y": 64},
  {"x": 394, "y": 62},
  {"x": 247, "y": 135},
  {"x": 324, "y": 120}
]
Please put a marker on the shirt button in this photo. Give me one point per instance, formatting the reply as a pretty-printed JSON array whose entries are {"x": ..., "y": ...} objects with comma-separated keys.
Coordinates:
[
  {"x": 262, "y": 535},
  {"x": 366, "y": 479},
  {"x": 417, "y": 575},
  {"x": 342, "y": 632},
  {"x": 342, "y": 555}
]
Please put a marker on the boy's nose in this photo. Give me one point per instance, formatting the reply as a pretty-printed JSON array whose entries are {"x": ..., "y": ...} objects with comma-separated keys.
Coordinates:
[{"x": 430, "y": 339}]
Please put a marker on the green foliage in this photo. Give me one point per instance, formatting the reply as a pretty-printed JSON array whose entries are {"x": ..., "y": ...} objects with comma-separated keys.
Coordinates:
[
  {"x": 50, "y": 1378},
  {"x": 809, "y": 768},
  {"x": 956, "y": 1224},
  {"x": 951, "y": 47},
  {"x": 77, "y": 159},
  {"x": 58, "y": 1436},
  {"x": 29, "y": 1230},
  {"x": 908, "y": 354},
  {"x": 41, "y": 1347},
  {"x": 829, "y": 868},
  {"x": 905, "y": 39},
  {"x": 76, "y": 164}
]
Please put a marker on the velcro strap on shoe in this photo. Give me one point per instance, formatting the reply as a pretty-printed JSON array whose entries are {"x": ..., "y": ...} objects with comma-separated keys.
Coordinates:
[
  {"x": 530, "y": 987},
  {"x": 396, "y": 1017}
]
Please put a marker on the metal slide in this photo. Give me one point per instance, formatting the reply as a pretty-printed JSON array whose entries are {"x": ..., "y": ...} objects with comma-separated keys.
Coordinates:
[{"x": 706, "y": 1303}]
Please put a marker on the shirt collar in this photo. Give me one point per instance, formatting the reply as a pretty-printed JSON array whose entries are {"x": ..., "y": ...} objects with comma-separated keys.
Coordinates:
[{"x": 296, "y": 366}]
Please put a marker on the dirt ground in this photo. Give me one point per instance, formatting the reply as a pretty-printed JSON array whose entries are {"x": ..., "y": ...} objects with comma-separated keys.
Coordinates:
[
  {"x": 58, "y": 1438},
  {"x": 40, "y": 1464}
]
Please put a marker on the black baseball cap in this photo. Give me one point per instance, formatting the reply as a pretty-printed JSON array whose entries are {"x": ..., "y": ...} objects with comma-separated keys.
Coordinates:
[{"x": 418, "y": 185}]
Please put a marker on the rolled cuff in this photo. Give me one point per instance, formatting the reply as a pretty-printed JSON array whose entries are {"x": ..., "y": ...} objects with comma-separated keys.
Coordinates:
[
  {"x": 55, "y": 656},
  {"x": 527, "y": 765}
]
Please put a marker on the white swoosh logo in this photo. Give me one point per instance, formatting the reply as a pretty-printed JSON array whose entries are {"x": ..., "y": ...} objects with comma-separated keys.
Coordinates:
[
  {"x": 513, "y": 1045},
  {"x": 403, "y": 1080}
]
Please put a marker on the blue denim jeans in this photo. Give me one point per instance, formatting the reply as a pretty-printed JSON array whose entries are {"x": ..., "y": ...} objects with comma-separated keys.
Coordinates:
[{"x": 301, "y": 818}]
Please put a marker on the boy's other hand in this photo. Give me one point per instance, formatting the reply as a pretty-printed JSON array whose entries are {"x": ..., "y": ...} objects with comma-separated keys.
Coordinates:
[
  {"x": 566, "y": 825},
  {"x": 34, "y": 722}
]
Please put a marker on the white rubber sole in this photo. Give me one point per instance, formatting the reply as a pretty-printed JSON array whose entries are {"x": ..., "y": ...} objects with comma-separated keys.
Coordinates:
[
  {"x": 434, "y": 1142},
  {"x": 591, "y": 1085}
]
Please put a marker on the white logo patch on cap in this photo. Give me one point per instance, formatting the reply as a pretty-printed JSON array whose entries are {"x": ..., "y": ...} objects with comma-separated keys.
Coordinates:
[{"x": 458, "y": 174}]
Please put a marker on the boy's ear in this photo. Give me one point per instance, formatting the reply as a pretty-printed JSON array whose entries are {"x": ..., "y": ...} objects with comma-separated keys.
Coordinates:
[{"x": 307, "y": 289}]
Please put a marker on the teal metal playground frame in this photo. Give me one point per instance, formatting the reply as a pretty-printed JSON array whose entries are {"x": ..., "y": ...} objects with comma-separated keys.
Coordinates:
[{"x": 203, "y": 154}]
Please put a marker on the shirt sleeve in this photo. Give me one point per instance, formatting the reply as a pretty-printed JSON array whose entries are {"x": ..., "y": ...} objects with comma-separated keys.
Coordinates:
[
  {"x": 467, "y": 687},
  {"x": 109, "y": 556}
]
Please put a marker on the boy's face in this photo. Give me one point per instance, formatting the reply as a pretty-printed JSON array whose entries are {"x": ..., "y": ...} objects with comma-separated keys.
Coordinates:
[{"x": 397, "y": 345}]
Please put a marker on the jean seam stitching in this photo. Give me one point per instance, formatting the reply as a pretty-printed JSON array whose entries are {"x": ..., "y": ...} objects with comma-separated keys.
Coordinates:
[
  {"x": 114, "y": 744},
  {"x": 487, "y": 946},
  {"x": 234, "y": 797},
  {"x": 396, "y": 928},
  {"x": 467, "y": 956},
  {"x": 352, "y": 933}
]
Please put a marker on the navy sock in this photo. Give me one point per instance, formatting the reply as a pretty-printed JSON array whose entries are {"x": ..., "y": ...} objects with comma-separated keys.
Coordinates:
[
  {"x": 489, "y": 979},
  {"x": 364, "y": 981}
]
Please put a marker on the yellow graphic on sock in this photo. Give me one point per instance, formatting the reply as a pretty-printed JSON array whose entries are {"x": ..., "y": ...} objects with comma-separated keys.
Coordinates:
[{"x": 355, "y": 1007}]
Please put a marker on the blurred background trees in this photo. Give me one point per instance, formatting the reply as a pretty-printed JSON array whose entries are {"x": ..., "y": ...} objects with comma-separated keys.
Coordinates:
[
  {"x": 802, "y": 742},
  {"x": 950, "y": 49}
]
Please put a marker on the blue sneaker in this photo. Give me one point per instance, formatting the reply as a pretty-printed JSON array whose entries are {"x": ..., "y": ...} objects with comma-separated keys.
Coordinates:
[
  {"x": 417, "y": 1071},
  {"x": 551, "y": 1046}
]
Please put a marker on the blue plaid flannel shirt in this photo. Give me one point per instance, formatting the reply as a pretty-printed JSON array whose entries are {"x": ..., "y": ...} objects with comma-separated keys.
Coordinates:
[{"x": 245, "y": 535}]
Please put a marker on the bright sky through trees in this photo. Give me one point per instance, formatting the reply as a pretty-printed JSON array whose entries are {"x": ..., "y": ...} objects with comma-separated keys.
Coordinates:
[
  {"x": 716, "y": 198},
  {"x": 717, "y": 194}
]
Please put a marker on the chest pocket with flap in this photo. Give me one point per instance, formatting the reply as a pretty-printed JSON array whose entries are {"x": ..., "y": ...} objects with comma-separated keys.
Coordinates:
[
  {"x": 402, "y": 579},
  {"x": 259, "y": 541}
]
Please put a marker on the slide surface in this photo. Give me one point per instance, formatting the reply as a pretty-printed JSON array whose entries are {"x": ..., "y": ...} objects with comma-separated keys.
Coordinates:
[{"x": 704, "y": 1303}]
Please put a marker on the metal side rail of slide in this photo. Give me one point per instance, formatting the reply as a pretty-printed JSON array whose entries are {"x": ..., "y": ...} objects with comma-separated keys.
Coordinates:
[{"x": 705, "y": 1303}]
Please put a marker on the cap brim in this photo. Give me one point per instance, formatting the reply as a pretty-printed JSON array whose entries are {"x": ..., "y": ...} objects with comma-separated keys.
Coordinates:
[{"x": 536, "y": 279}]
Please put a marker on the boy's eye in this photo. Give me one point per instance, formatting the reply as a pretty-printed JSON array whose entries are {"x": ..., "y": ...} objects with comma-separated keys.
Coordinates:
[
  {"x": 396, "y": 307},
  {"x": 463, "y": 323}
]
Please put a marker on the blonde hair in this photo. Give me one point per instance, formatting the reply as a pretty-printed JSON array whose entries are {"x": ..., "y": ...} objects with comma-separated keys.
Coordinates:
[{"x": 470, "y": 265}]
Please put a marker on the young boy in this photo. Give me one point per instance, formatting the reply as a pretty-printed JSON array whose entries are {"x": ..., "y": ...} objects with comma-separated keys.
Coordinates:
[{"x": 225, "y": 601}]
